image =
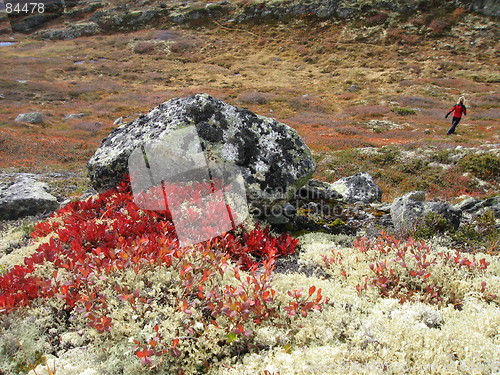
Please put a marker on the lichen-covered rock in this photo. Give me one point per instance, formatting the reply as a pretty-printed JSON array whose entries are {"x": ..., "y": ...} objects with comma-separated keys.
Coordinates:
[
  {"x": 358, "y": 188},
  {"x": 322, "y": 9},
  {"x": 493, "y": 204},
  {"x": 71, "y": 32},
  {"x": 275, "y": 162},
  {"x": 379, "y": 126},
  {"x": 25, "y": 197},
  {"x": 408, "y": 211},
  {"x": 32, "y": 118},
  {"x": 32, "y": 22},
  {"x": 121, "y": 18},
  {"x": 315, "y": 189},
  {"x": 469, "y": 204}
]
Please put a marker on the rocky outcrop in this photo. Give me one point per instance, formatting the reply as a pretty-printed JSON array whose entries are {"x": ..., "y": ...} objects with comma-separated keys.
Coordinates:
[
  {"x": 409, "y": 211},
  {"x": 273, "y": 159},
  {"x": 358, "y": 188},
  {"x": 25, "y": 197},
  {"x": 121, "y": 18},
  {"x": 32, "y": 22},
  {"x": 106, "y": 16},
  {"x": 71, "y": 32},
  {"x": 340, "y": 9},
  {"x": 39, "y": 14}
]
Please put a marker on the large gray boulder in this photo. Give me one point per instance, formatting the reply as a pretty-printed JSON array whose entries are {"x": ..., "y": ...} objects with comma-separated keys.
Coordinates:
[
  {"x": 358, "y": 188},
  {"x": 408, "y": 211},
  {"x": 273, "y": 159},
  {"x": 25, "y": 197}
]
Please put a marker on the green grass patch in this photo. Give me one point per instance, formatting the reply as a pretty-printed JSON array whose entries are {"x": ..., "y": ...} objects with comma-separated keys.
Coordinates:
[{"x": 403, "y": 111}]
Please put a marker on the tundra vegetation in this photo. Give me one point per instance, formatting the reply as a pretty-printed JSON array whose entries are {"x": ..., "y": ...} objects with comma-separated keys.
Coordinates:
[{"x": 102, "y": 287}]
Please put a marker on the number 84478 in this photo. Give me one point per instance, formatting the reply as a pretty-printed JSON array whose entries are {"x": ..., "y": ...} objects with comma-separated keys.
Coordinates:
[{"x": 25, "y": 8}]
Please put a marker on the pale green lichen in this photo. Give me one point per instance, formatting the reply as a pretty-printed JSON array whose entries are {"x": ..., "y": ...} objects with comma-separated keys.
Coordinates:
[{"x": 353, "y": 334}]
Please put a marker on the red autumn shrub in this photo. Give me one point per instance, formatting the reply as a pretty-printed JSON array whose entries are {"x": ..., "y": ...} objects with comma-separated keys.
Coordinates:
[
  {"x": 377, "y": 19},
  {"x": 411, "y": 271},
  {"x": 100, "y": 249},
  {"x": 104, "y": 232}
]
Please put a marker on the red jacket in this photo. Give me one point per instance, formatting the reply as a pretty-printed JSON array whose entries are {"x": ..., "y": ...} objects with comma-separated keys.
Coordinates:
[{"x": 458, "y": 110}]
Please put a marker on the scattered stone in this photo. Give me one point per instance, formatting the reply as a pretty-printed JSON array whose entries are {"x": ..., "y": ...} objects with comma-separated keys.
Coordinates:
[
  {"x": 275, "y": 162},
  {"x": 25, "y": 197},
  {"x": 354, "y": 88},
  {"x": 379, "y": 126},
  {"x": 32, "y": 118},
  {"x": 358, "y": 188},
  {"x": 75, "y": 115}
]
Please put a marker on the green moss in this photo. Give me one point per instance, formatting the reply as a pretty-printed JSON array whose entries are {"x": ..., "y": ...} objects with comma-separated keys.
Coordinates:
[
  {"x": 485, "y": 166},
  {"x": 386, "y": 156},
  {"x": 336, "y": 223},
  {"x": 432, "y": 225},
  {"x": 403, "y": 111},
  {"x": 482, "y": 232},
  {"x": 414, "y": 166},
  {"x": 442, "y": 156}
]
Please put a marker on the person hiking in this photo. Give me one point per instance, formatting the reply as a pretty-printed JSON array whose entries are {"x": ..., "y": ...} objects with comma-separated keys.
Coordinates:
[{"x": 458, "y": 109}]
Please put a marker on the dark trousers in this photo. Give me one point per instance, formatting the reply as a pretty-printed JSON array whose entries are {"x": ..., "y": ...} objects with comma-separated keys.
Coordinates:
[{"x": 454, "y": 123}]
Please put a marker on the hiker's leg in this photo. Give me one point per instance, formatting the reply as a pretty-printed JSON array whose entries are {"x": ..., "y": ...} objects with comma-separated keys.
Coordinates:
[
  {"x": 452, "y": 129},
  {"x": 454, "y": 124}
]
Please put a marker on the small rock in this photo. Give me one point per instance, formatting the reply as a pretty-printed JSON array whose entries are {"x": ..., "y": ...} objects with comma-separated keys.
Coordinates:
[
  {"x": 379, "y": 126},
  {"x": 491, "y": 202},
  {"x": 25, "y": 197},
  {"x": 75, "y": 115},
  {"x": 354, "y": 88},
  {"x": 358, "y": 188},
  {"x": 467, "y": 204},
  {"x": 32, "y": 118},
  {"x": 408, "y": 211}
]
